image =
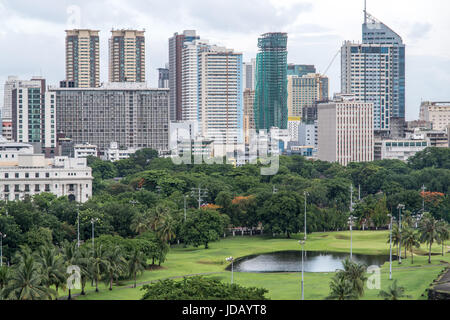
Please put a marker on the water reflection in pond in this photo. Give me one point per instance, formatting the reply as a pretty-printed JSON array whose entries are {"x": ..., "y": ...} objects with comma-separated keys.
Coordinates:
[{"x": 290, "y": 261}]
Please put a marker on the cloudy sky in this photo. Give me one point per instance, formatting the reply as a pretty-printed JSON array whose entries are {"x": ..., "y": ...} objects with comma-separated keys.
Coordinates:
[{"x": 32, "y": 33}]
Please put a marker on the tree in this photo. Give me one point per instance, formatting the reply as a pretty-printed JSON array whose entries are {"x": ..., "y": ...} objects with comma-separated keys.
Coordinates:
[
  {"x": 354, "y": 273},
  {"x": 203, "y": 226},
  {"x": 99, "y": 264},
  {"x": 51, "y": 267},
  {"x": 342, "y": 289},
  {"x": 200, "y": 288},
  {"x": 429, "y": 234},
  {"x": 410, "y": 241},
  {"x": 394, "y": 292},
  {"x": 443, "y": 231},
  {"x": 114, "y": 266},
  {"x": 136, "y": 264}
]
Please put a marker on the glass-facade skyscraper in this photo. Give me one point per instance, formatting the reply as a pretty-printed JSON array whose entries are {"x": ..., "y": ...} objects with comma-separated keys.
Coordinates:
[{"x": 271, "y": 109}]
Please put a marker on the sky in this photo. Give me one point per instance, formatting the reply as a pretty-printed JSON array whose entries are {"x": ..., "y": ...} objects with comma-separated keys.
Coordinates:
[{"x": 32, "y": 34}]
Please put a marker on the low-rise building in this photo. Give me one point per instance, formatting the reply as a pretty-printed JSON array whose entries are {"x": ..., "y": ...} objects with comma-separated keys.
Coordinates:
[
  {"x": 399, "y": 149},
  {"x": 114, "y": 153},
  {"x": 85, "y": 150}
]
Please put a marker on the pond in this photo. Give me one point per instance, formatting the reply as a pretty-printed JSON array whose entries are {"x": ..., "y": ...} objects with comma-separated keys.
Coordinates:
[{"x": 291, "y": 261}]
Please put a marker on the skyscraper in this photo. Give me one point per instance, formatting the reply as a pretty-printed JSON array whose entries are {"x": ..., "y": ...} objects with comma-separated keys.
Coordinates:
[
  {"x": 271, "y": 94},
  {"x": 163, "y": 78},
  {"x": 176, "y": 44},
  {"x": 249, "y": 74},
  {"x": 127, "y": 56},
  {"x": 305, "y": 91},
  {"x": 83, "y": 58}
]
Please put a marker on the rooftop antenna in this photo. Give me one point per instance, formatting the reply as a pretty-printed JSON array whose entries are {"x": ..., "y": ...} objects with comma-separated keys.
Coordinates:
[{"x": 365, "y": 11}]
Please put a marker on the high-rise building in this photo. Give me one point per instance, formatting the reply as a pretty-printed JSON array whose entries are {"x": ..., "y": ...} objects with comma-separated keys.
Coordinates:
[
  {"x": 293, "y": 124},
  {"x": 305, "y": 91},
  {"x": 130, "y": 114},
  {"x": 438, "y": 113},
  {"x": 249, "y": 119},
  {"x": 345, "y": 131},
  {"x": 163, "y": 78},
  {"x": 83, "y": 58},
  {"x": 176, "y": 44},
  {"x": 367, "y": 74},
  {"x": 33, "y": 116},
  {"x": 249, "y": 75},
  {"x": 308, "y": 135},
  {"x": 271, "y": 94},
  {"x": 300, "y": 70},
  {"x": 127, "y": 56},
  {"x": 220, "y": 100},
  {"x": 376, "y": 32}
]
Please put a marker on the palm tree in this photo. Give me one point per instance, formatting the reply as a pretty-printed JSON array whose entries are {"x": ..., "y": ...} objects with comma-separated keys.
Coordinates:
[
  {"x": 140, "y": 222},
  {"x": 137, "y": 263},
  {"x": 393, "y": 293},
  {"x": 157, "y": 215},
  {"x": 429, "y": 232},
  {"x": 166, "y": 229},
  {"x": 4, "y": 275},
  {"x": 354, "y": 273},
  {"x": 82, "y": 260},
  {"x": 443, "y": 234},
  {"x": 342, "y": 289},
  {"x": 395, "y": 238},
  {"x": 115, "y": 265},
  {"x": 52, "y": 267},
  {"x": 410, "y": 241},
  {"x": 69, "y": 251},
  {"x": 26, "y": 282},
  {"x": 98, "y": 264}
]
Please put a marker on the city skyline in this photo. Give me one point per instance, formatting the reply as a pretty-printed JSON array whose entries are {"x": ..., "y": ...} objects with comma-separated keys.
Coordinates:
[{"x": 25, "y": 28}]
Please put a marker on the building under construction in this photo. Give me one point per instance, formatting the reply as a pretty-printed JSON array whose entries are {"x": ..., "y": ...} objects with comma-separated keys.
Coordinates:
[{"x": 271, "y": 109}]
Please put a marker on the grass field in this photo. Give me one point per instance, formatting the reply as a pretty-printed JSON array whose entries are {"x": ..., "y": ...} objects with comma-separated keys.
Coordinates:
[{"x": 286, "y": 286}]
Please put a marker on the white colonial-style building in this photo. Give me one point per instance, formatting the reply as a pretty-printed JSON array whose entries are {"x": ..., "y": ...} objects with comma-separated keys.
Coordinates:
[{"x": 24, "y": 174}]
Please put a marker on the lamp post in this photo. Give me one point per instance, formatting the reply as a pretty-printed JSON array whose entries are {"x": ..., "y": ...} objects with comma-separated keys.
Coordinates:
[
  {"x": 185, "y": 209},
  {"x": 2, "y": 236},
  {"x": 390, "y": 249},
  {"x": 400, "y": 207},
  {"x": 93, "y": 221},
  {"x": 306, "y": 195},
  {"x": 351, "y": 222},
  {"x": 78, "y": 227},
  {"x": 231, "y": 259},
  {"x": 302, "y": 243}
]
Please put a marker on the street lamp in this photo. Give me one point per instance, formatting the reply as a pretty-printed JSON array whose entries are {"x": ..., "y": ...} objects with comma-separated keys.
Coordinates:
[
  {"x": 302, "y": 243},
  {"x": 306, "y": 195},
  {"x": 390, "y": 244},
  {"x": 93, "y": 221},
  {"x": 185, "y": 209},
  {"x": 350, "y": 222},
  {"x": 400, "y": 208},
  {"x": 231, "y": 259},
  {"x": 2, "y": 236}
]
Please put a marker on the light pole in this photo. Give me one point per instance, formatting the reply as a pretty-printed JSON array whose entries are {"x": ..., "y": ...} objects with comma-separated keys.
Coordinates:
[
  {"x": 78, "y": 227},
  {"x": 2, "y": 236},
  {"x": 185, "y": 197},
  {"x": 231, "y": 259},
  {"x": 390, "y": 249},
  {"x": 351, "y": 222},
  {"x": 93, "y": 221},
  {"x": 400, "y": 207},
  {"x": 306, "y": 195},
  {"x": 423, "y": 198},
  {"x": 302, "y": 243}
]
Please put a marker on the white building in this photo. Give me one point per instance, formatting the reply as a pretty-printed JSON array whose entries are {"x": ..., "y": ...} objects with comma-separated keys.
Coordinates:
[
  {"x": 9, "y": 151},
  {"x": 293, "y": 126},
  {"x": 114, "y": 153},
  {"x": 438, "y": 113},
  {"x": 402, "y": 149},
  {"x": 32, "y": 174},
  {"x": 307, "y": 134},
  {"x": 85, "y": 150},
  {"x": 345, "y": 131}
]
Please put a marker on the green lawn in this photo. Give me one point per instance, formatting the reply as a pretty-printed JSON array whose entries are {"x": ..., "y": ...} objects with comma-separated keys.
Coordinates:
[{"x": 286, "y": 286}]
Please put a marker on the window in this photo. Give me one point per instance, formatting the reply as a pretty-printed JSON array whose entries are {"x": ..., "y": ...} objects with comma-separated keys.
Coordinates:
[
  {"x": 37, "y": 175},
  {"x": 37, "y": 188}
]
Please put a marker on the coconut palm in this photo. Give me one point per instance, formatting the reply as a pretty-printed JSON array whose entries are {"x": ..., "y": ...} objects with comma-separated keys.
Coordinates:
[
  {"x": 410, "y": 241},
  {"x": 115, "y": 265},
  {"x": 341, "y": 289},
  {"x": 394, "y": 292},
  {"x": 98, "y": 264},
  {"x": 137, "y": 263},
  {"x": 443, "y": 230},
  {"x": 354, "y": 273},
  {"x": 69, "y": 251},
  {"x": 140, "y": 222},
  {"x": 429, "y": 232},
  {"x": 395, "y": 238},
  {"x": 157, "y": 215},
  {"x": 82, "y": 260},
  {"x": 26, "y": 282},
  {"x": 52, "y": 267},
  {"x": 4, "y": 275},
  {"x": 166, "y": 229}
]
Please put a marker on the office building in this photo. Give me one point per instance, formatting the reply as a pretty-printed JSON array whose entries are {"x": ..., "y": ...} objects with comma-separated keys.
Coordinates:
[
  {"x": 249, "y": 75},
  {"x": 176, "y": 44},
  {"x": 271, "y": 109},
  {"x": 130, "y": 114},
  {"x": 33, "y": 116},
  {"x": 438, "y": 113},
  {"x": 399, "y": 149},
  {"x": 294, "y": 124},
  {"x": 163, "y": 78},
  {"x": 127, "y": 56},
  {"x": 345, "y": 130},
  {"x": 305, "y": 91},
  {"x": 249, "y": 118},
  {"x": 85, "y": 150},
  {"x": 83, "y": 58},
  {"x": 308, "y": 134},
  {"x": 114, "y": 153}
]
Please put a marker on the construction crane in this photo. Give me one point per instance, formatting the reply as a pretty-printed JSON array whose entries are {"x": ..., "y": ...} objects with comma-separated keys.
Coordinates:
[{"x": 331, "y": 63}]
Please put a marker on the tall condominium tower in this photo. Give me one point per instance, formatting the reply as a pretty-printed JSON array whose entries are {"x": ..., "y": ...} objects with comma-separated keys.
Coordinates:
[
  {"x": 249, "y": 119},
  {"x": 176, "y": 44},
  {"x": 249, "y": 75},
  {"x": 305, "y": 91},
  {"x": 127, "y": 56},
  {"x": 271, "y": 82},
  {"x": 163, "y": 78},
  {"x": 220, "y": 95},
  {"x": 345, "y": 131},
  {"x": 83, "y": 58},
  {"x": 376, "y": 32}
]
